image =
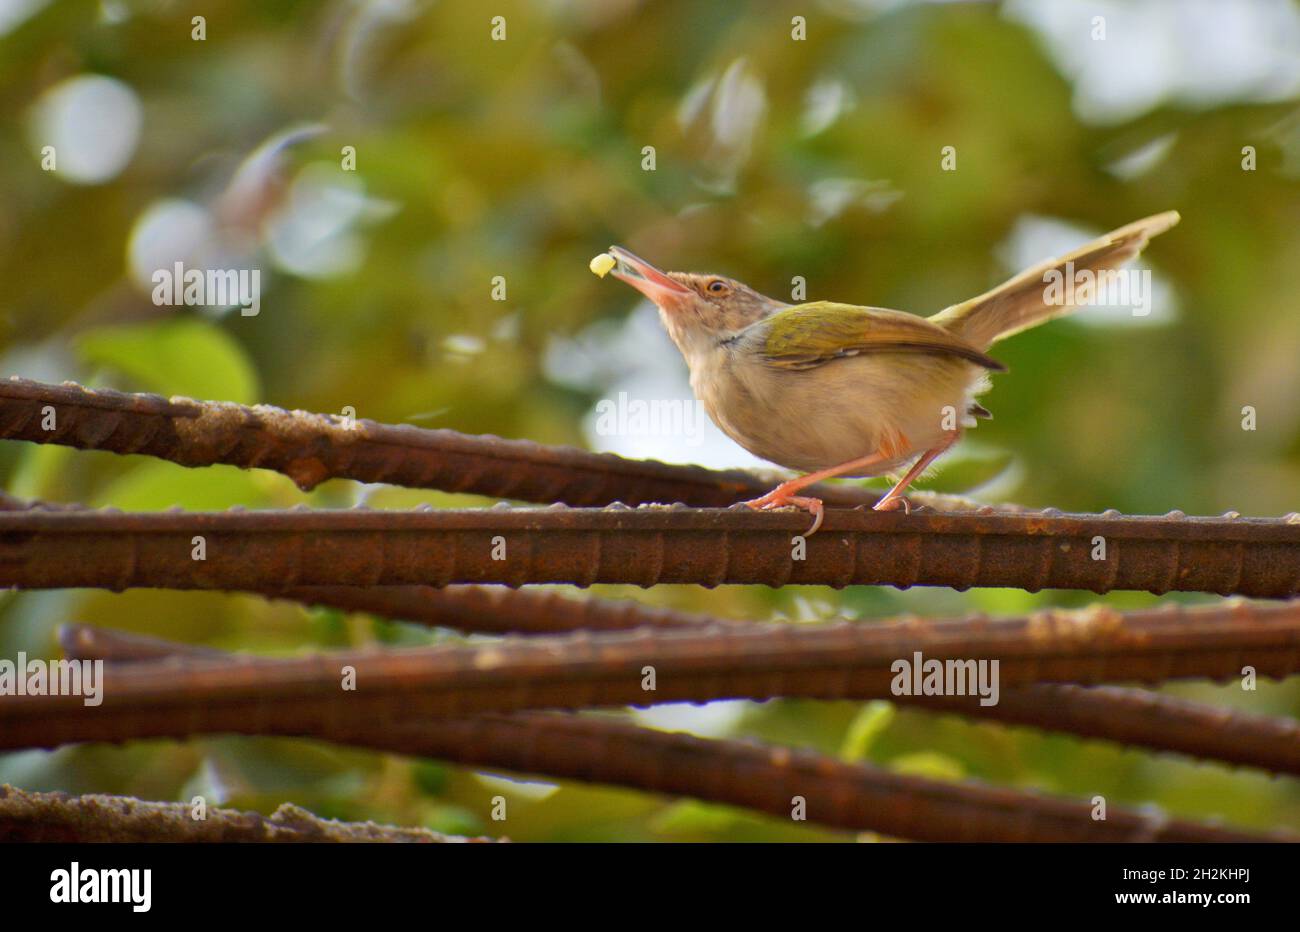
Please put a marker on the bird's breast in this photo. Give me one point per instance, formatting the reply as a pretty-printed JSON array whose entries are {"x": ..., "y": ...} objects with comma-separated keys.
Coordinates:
[{"x": 843, "y": 410}]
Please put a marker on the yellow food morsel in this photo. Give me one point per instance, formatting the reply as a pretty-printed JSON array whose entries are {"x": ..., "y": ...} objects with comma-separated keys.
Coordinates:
[{"x": 603, "y": 263}]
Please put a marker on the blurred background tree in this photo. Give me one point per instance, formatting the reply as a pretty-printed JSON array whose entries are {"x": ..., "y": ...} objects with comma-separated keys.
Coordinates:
[{"x": 774, "y": 157}]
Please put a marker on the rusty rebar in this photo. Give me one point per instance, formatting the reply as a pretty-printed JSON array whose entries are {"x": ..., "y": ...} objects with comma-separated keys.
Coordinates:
[
  {"x": 494, "y": 610},
  {"x": 1132, "y": 717},
  {"x": 831, "y": 661},
  {"x": 774, "y": 780},
  {"x": 475, "y": 609},
  {"x": 272, "y": 550},
  {"x": 57, "y": 817},
  {"x": 310, "y": 448},
  {"x": 1139, "y": 718},
  {"x": 89, "y": 642}
]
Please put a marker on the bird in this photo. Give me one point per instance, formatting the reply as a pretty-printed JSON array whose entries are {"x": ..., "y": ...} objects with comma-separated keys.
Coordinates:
[{"x": 840, "y": 390}]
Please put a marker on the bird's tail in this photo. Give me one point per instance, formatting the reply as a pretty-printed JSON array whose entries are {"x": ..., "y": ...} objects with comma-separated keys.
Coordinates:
[{"x": 1023, "y": 302}]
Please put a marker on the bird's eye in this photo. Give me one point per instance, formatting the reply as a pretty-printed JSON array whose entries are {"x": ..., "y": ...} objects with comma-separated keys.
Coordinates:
[{"x": 717, "y": 286}]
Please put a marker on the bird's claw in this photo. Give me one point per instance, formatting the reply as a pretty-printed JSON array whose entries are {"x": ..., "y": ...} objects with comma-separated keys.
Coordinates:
[
  {"x": 893, "y": 504},
  {"x": 777, "y": 498}
]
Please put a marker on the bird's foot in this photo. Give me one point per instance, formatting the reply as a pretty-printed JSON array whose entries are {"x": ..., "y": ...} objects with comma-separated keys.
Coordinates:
[
  {"x": 783, "y": 497},
  {"x": 893, "y": 503}
]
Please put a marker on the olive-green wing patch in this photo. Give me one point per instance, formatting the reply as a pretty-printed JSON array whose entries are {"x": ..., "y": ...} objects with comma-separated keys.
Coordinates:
[{"x": 812, "y": 334}]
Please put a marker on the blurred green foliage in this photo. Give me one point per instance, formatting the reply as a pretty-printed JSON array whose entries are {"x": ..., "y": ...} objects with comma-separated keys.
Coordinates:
[{"x": 523, "y": 158}]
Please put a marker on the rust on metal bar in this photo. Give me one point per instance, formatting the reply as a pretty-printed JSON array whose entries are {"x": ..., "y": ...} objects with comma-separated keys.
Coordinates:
[
  {"x": 831, "y": 661},
  {"x": 1132, "y": 717},
  {"x": 477, "y": 609},
  {"x": 766, "y": 779},
  {"x": 496, "y": 610},
  {"x": 58, "y": 817},
  {"x": 647, "y": 546},
  {"x": 88, "y": 642},
  {"x": 1139, "y": 718},
  {"x": 310, "y": 448}
]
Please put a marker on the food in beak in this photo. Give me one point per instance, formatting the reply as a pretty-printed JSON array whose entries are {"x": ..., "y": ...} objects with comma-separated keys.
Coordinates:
[{"x": 602, "y": 264}]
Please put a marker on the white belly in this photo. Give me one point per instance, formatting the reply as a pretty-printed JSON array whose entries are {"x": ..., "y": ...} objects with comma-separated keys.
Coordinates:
[{"x": 899, "y": 404}]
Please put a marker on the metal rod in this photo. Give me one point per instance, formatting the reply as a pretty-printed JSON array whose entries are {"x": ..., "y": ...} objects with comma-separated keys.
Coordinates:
[
  {"x": 310, "y": 448},
  {"x": 95, "y": 818},
  {"x": 647, "y": 546},
  {"x": 779, "y": 781},
  {"x": 1132, "y": 717},
  {"x": 832, "y": 661}
]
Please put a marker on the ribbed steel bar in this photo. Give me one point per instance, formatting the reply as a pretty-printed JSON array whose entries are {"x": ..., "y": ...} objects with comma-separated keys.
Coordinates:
[
  {"x": 477, "y": 609},
  {"x": 310, "y": 448},
  {"x": 774, "y": 779},
  {"x": 832, "y": 661},
  {"x": 495, "y": 610},
  {"x": 646, "y": 546},
  {"x": 88, "y": 642},
  {"x": 58, "y": 817},
  {"x": 1133, "y": 717},
  {"x": 766, "y": 779},
  {"x": 1128, "y": 716},
  {"x": 1139, "y": 718}
]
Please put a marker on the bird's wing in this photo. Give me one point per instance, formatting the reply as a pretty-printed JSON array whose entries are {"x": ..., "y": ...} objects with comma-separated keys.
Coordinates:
[{"x": 812, "y": 334}]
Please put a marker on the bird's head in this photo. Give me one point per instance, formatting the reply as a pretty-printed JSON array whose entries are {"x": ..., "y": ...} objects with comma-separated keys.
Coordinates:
[{"x": 698, "y": 310}]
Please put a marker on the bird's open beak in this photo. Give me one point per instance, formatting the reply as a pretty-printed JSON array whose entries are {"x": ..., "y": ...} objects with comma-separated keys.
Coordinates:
[{"x": 648, "y": 280}]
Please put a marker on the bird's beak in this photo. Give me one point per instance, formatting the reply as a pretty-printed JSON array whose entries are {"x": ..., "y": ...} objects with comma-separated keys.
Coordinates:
[{"x": 648, "y": 280}]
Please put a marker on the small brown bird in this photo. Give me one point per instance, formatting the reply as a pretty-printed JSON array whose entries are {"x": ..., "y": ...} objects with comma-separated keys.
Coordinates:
[{"x": 840, "y": 390}]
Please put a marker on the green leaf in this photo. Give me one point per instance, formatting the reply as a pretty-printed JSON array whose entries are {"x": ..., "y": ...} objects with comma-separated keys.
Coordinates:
[
  {"x": 929, "y": 764},
  {"x": 454, "y": 820},
  {"x": 870, "y": 722},
  {"x": 430, "y": 777},
  {"x": 690, "y": 817},
  {"x": 192, "y": 357}
]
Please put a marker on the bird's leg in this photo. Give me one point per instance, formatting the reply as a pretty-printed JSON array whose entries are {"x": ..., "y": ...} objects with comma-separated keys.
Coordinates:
[
  {"x": 784, "y": 494},
  {"x": 894, "y": 497}
]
